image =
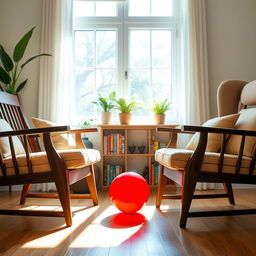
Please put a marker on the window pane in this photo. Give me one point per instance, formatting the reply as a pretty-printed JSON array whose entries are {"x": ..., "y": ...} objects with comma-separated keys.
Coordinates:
[
  {"x": 105, "y": 9},
  {"x": 161, "y": 7},
  {"x": 161, "y": 48},
  {"x": 106, "y": 49},
  {"x": 105, "y": 81},
  {"x": 139, "y": 80},
  {"x": 161, "y": 83},
  {"x": 85, "y": 90},
  {"x": 139, "y": 7},
  {"x": 84, "y": 49},
  {"x": 83, "y": 8},
  {"x": 94, "y": 50},
  {"x": 139, "y": 48}
]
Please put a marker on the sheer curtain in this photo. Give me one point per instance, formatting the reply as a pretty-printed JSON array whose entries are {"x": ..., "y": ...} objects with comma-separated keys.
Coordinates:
[
  {"x": 55, "y": 99},
  {"x": 194, "y": 94}
]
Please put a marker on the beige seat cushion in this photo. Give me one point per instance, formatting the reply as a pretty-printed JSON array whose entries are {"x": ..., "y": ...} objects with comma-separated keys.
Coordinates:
[
  {"x": 60, "y": 141},
  {"x": 246, "y": 121},
  {"x": 214, "y": 140},
  {"x": 75, "y": 158},
  {"x": 177, "y": 159},
  {"x": 4, "y": 141}
]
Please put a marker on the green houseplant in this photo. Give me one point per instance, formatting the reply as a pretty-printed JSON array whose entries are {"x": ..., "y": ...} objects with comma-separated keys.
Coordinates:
[
  {"x": 106, "y": 104},
  {"x": 126, "y": 107},
  {"x": 12, "y": 67},
  {"x": 159, "y": 108}
]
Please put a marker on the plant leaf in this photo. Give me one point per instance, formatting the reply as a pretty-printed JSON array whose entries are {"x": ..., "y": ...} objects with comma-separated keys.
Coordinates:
[
  {"x": 21, "y": 46},
  {"x": 7, "y": 88},
  {"x": 4, "y": 76},
  {"x": 21, "y": 86},
  {"x": 6, "y": 59},
  {"x": 34, "y": 57},
  {"x": 112, "y": 95}
]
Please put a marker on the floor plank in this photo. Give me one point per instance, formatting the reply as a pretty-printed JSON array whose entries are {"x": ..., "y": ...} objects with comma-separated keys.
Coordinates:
[{"x": 103, "y": 230}]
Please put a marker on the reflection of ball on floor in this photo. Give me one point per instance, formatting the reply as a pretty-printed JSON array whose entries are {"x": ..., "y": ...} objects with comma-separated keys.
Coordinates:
[{"x": 129, "y": 191}]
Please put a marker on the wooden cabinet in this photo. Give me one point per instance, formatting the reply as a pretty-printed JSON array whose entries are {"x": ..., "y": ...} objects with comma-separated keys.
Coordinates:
[{"x": 130, "y": 148}]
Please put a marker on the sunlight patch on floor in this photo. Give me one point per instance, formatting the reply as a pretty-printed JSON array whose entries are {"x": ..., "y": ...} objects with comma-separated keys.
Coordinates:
[
  {"x": 54, "y": 239},
  {"x": 112, "y": 228}
]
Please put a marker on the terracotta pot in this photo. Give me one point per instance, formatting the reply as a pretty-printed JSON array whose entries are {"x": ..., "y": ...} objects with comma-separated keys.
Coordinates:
[
  {"x": 106, "y": 117},
  {"x": 125, "y": 118},
  {"x": 159, "y": 118}
]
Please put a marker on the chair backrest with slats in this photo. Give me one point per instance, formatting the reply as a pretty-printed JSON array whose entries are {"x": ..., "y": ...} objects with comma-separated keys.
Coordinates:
[{"x": 11, "y": 110}]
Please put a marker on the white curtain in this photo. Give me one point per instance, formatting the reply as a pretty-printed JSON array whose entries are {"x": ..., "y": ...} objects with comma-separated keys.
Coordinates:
[
  {"x": 194, "y": 66},
  {"x": 55, "y": 99}
]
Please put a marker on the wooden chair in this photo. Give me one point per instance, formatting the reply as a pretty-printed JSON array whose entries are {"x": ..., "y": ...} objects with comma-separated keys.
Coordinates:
[
  {"x": 227, "y": 168},
  {"x": 35, "y": 166}
]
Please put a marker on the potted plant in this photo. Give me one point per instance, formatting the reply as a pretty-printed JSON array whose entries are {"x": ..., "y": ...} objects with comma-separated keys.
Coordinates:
[
  {"x": 106, "y": 105},
  {"x": 11, "y": 67},
  {"x": 159, "y": 108},
  {"x": 126, "y": 107}
]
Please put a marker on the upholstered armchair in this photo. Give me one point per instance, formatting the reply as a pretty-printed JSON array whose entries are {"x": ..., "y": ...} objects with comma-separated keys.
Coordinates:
[
  {"x": 223, "y": 150},
  {"x": 23, "y": 162}
]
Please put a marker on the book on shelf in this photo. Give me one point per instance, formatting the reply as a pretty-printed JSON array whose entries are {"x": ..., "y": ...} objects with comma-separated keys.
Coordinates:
[
  {"x": 114, "y": 143},
  {"x": 155, "y": 169},
  {"x": 110, "y": 172}
]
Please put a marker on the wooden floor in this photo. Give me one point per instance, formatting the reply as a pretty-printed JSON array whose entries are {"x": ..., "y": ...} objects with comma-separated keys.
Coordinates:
[{"x": 103, "y": 230}]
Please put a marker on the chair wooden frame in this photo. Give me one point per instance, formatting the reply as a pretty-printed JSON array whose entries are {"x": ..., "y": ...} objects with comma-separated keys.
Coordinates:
[
  {"x": 11, "y": 110},
  {"x": 192, "y": 173}
]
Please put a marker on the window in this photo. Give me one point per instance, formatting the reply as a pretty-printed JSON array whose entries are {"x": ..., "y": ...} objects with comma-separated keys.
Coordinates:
[{"x": 130, "y": 47}]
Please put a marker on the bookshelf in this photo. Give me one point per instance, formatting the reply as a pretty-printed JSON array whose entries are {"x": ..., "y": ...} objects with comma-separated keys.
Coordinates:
[{"x": 130, "y": 148}]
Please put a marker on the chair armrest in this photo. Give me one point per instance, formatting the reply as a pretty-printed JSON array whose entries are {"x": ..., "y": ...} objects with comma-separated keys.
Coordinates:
[
  {"x": 82, "y": 130},
  {"x": 34, "y": 131},
  {"x": 218, "y": 130},
  {"x": 173, "y": 130}
]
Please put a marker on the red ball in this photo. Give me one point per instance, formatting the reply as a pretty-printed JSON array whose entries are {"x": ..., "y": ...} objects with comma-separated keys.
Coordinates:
[{"x": 129, "y": 191}]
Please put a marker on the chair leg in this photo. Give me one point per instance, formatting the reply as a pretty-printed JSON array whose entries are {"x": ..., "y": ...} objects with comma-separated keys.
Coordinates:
[
  {"x": 187, "y": 195},
  {"x": 161, "y": 184},
  {"x": 25, "y": 190},
  {"x": 63, "y": 190},
  {"x": 229, "y": 190},
  {"x": 92, "y": 186}
]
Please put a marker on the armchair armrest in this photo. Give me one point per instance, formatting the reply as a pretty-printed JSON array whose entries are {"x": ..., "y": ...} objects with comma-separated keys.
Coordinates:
[
  {"x": 218, "y": 130},
  {"x": 174, "y": 130},
  {"x": 82, "y": 130},
  {"x": 34, "y": 131}
]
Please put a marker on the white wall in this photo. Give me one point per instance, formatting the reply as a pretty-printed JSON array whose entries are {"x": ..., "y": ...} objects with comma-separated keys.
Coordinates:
[
  {"x": 231, "y": 42},
  {"x": 16, "y": 18}
]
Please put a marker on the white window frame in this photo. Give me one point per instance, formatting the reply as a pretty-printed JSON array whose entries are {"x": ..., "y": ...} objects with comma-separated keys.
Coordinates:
[{"x": 122, "y": 23}]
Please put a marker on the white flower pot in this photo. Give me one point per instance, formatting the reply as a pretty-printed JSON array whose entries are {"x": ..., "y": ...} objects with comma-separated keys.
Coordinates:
[{"x": 106, "y": 117}]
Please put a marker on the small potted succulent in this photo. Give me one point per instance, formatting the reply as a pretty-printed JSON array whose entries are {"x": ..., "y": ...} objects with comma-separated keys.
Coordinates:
[
  {"x": 126, "y": 107},
  {"x": 159, "y": 108},
  {"x": 106, "y": 104}
]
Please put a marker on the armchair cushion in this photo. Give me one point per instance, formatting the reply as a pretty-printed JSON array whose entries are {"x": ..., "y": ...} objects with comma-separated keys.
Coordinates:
[
  {"x": 74, "y": 159},
  {"x": 4, "y": 141},
  {"x": 177, "y": 159},
  {"x": 214, "y": 140},
  {"x": 60, "y": 141},
  {"x": 246, "y": 121}
]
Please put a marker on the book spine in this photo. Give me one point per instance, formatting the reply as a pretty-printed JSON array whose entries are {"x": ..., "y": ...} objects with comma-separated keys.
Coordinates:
[
  {"x": 105, "y": 141},
  {"x": 115, "y": 143},
  {"x": 111, "y": 143}
]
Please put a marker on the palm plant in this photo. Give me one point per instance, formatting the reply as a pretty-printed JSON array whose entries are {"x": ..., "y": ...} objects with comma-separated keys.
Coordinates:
[
  {"x": 11, "y": 69},
  {"x": 104, "y": 103},
  {"x": 160, "y": 107},
  {"x": 126, "y": 106}
]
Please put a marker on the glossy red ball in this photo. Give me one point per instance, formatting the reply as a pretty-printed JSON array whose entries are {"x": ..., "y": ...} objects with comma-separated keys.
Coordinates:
[{"x": 129, "y": 191}]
